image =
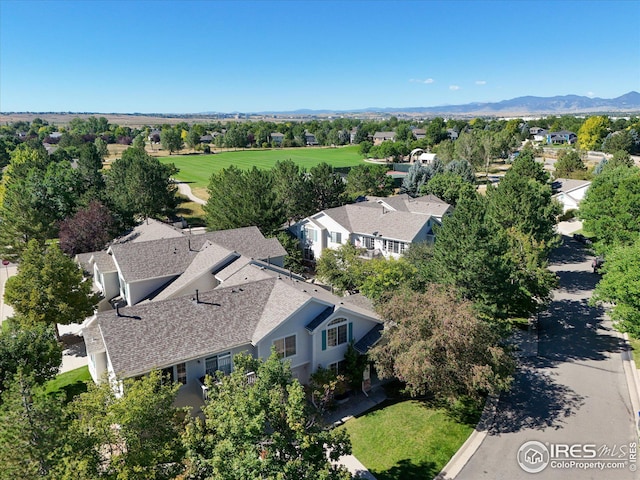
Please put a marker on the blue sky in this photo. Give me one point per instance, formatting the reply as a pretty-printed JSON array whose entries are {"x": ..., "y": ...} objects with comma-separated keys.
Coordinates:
[{"x": 224, "y": 56}]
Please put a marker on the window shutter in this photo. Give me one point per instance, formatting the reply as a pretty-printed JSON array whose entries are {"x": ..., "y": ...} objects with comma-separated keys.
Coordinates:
[
  {"x": 350, "y": 331},
  {"x": 324, "y": 339}
]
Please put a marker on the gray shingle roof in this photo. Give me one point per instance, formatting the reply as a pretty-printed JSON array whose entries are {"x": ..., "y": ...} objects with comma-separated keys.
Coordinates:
[
  {"x": 566, "y": 185},
  {"x": 425, "y": 205},
  {"x": 171, "y": 256},
  {"x": 101, "y": 258},
  {"x": 159, "y": 334},
  {"x": 150, "y": 229},
  {"x": 316, "y": 322},
  {"x": 403, "y": 226}
]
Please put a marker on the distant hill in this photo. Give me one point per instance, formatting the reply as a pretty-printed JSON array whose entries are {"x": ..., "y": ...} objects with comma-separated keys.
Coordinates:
[{"x": 529, "y": 105}]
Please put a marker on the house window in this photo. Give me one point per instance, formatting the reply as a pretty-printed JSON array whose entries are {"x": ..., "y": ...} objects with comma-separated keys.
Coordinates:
[
  {"x": 336, "y": 237},
  {"x": 286, "y": 347},
  {"x": 218, "y": 363},
  {"x": 394, "y": 246},
  {"x": 310, "y": 234},
  {"x": 338, "y": 367},
  {"x": 368, "y": 243},
  {"x": 337, "y": 332},
  {"x": 181, "y": 369}
]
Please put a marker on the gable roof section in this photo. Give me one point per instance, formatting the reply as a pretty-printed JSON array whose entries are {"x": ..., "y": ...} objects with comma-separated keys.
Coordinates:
[
  {"x": 567, "y": 185},
  {"x": 171, "y": 256},
  {"x": 159, "y": 334},
  {"x": 425, "y": 205},
  {"x": 209, "y": 257},
  {"x": 403, "y": 226},
  {"x": 150, "y": 229}
]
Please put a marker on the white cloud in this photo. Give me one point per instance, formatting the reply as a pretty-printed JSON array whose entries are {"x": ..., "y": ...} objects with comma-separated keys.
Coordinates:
[
  {"x": 454, "y": 87},
  {"x": 591, "y": 94},
  {"x": 418, "y": 80},
  {"x": 481, "y": 82}
]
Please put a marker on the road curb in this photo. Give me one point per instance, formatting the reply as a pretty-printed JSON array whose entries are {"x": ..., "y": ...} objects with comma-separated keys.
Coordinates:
[
  {"x": 633, "y": 383},
  {"x": 469, "y": 447}
]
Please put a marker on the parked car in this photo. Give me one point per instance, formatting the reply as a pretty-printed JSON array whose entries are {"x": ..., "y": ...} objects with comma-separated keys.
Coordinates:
[{"x": 597, "y": 264}]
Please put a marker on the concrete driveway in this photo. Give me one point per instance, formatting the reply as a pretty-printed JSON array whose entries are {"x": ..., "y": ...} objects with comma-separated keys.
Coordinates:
[{"x": 572, "y": 399}]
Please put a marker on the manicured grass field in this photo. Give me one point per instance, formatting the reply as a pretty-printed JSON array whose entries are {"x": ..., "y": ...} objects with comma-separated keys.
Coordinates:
[
  {"x": 70, "y": 383},
  {"x": 197, "y": 169},
  {"x": 406, "y": 440}
]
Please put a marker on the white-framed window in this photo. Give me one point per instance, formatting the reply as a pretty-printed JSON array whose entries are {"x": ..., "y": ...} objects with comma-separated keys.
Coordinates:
[
  {"x": 337, "y": 332},
  {"x": 218, "y": 363},
  {"x": 310, "y": 233},
  {"x": 394, "y": 246},
  {"x": 286, "y": 346},
  {"x": 336, "y": 237}
]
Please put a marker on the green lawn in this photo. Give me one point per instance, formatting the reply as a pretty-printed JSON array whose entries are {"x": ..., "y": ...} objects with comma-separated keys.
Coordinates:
[
  {"x": 70, "y": 383},
  {"x": 635, "y": 347},
  {"x": 406, "y": 440},
  {"x": 197, "y": 169}
]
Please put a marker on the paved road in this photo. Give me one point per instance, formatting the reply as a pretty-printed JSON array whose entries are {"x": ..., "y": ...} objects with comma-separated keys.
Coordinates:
[{"x": 574, "y": 392}]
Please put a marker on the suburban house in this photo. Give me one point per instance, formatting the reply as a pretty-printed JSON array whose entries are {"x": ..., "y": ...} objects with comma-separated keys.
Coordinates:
[
  {"x": 452, "y": 133},
  {"x": 257, "y": 308},
  {"x": 419, "y": 133},
  {"x": 310, "y": 139},
  {"x": 569, "y": 192},
  {"x": 380, "y": 137},
  {"x": 352, "y": 135},
  {"x": 563, "y": 136},
  {"x": 143, "y": 267},
  {"x": 535, "y": 130},
  {"x": 540, "y": 135},
  {"x": 384, "y": 226},
  {"x": 277, "y": 138}
]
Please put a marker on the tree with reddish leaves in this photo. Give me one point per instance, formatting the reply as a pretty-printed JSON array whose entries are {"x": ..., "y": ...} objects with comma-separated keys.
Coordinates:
[{"x": 89, "y": 230}]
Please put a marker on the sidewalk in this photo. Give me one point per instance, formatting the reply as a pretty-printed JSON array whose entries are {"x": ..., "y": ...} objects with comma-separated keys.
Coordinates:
[
  {"x": 5, "y": 272},
  {"x": 357, "y": 405}
]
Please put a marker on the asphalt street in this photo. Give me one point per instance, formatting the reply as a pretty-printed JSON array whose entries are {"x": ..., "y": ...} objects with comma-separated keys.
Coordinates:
[{"x": 572, "y": 398}]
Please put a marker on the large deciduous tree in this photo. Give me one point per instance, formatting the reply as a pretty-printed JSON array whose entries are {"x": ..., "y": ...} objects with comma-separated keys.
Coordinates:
[
  {"x": 29, "y": 350},
  {"x": 369, "y": 180},
  {"x": 436, "y": 345},
  {"x": 136, "y": 435},
  {"x": 262, "y": 429},
  {"x": 620, "y": 285},
  {"x": 139, "y": 185},
  {"x": 611, "y": 207},
  {"x": 171, "y": 139},
  {"x": 592, "y": 132},
  {"x": 88, "y": 230},
  {"x": 49, "y": 288}
]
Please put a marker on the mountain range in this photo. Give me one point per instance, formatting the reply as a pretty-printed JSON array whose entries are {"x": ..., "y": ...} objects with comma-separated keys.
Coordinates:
[{"x": 528, "y": 105}]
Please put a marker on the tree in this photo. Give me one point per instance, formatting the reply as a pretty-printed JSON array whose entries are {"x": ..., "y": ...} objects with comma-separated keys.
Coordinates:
[
  {"x": 592, "y": 132},
  {"x": 525, "y": 165},
  {"x": 618, "y": 141},
  {"x": 139, "y": 185},
  {"x": 139, "y": 141},
  {"x": 621, "y": 158},
  {"x": 171, "y": 139},
  {"x": 448, "y": 187},
  {"x": 291, "y": 189},
  {"x": 89, "y": 230},
  {"x": 32, "y": 431},
  {"x": 416, "y": 177},
  {"x": 436, "y": 344},
  {"x": 463, "y": 169},
  {"x": 31, "y": 350},
  {"x": 136, "y": 435},
  {"x": 611, "y": 207},
  {"x": 570, "y": 165},
  {"x": 262, "y": 429},
  {"x": 341, "y": 267},
  {"x": 619, "y": 286},
  {"x": 49, "y": 288},
  {"x": 90, "y": 171},
  {"x": 468, "y": 147},
  {"x": 101, "y": 147},
  {"x": 469, "y": 256},
  {"x": 384, "y": 276},
  {"x": 193, "y": 138},
  {"x": 369, "y": 180},
  {"x": 293, "y": 261},
  {"x": 241, "y": 198},
  {"x": 326, "y": 186}
]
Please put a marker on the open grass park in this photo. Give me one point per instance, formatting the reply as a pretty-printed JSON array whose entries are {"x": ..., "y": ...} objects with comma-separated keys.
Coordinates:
[{"x": 197, "y": 169}]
